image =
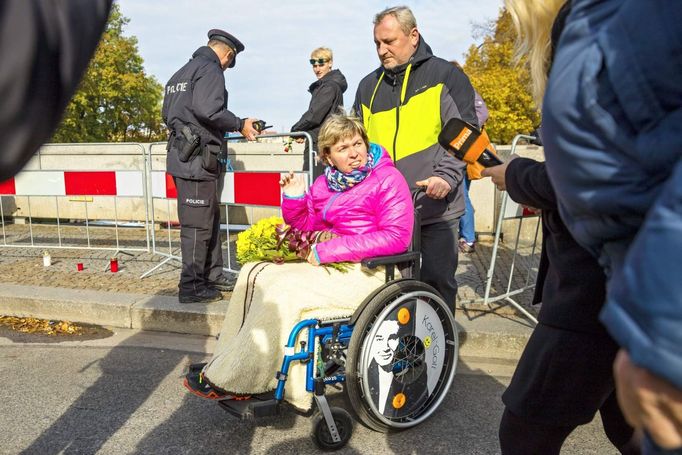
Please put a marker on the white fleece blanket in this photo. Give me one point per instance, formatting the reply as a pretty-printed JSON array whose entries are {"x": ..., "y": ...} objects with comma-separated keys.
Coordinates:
[{"x": 267, "y": 301}]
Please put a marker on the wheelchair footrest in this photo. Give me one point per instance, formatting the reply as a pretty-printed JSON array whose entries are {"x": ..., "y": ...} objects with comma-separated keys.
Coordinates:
[{"x": 263, "y": 405}]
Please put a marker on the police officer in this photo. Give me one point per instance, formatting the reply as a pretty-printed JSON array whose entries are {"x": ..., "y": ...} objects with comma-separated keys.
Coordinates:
[{"x": 195, "y": 111}]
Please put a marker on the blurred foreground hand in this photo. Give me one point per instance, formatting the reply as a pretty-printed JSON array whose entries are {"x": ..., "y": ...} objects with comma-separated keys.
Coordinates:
[{"x": 649, "y": 402}]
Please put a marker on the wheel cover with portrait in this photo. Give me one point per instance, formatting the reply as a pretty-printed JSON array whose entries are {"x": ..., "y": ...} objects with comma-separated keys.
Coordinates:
[{"x": 407, "y": 358}]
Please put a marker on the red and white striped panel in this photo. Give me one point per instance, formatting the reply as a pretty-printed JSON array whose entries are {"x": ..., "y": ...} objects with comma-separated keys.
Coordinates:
[
  {"x": 514, "y": 210},
  {"x": 163, "y": 185},
  {"x": 240, "y": 188},
  {"x": 78, "y": 183}
]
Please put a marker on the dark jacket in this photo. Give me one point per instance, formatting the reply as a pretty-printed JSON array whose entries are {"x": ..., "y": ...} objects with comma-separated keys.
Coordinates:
[
  {"x": 44, "y": 50},
  {"x": 196, "y": 96},
  {"x": 613, "y": 140},
  {"x": 404, "y": 109},
  {"x": 327, "y": 96},
  {"x": 571, "y": 285}
]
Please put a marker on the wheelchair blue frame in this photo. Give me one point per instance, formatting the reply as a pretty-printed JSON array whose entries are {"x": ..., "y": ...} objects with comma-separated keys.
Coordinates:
[{"x": 324, "y": 333}]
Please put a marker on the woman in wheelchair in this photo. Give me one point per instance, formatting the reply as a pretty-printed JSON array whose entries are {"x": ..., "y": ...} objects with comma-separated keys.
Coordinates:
[{"x": 365, "y": 203}]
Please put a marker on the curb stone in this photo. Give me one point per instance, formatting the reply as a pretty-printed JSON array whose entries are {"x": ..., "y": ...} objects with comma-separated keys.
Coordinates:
[{"x": 481, "y": 333}]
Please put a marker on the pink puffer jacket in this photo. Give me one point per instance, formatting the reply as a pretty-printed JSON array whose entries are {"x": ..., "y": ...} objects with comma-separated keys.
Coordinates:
[{"x": 373, "y": 218}]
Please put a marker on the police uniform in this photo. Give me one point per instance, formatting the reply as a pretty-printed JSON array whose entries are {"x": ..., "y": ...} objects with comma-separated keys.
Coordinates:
[{"x": 195, "y": 108}]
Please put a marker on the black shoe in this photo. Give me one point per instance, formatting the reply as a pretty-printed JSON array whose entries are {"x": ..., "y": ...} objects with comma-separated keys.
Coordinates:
[
  {"x": 205, "y": 296},
  {"x": 223, "y": 283},
  {"x": 195, "y": 383},
  {"x": 196, "y": 367}
]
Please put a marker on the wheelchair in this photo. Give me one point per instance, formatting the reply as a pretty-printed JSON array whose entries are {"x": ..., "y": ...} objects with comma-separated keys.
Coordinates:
[{"x": 396, "y": 356}]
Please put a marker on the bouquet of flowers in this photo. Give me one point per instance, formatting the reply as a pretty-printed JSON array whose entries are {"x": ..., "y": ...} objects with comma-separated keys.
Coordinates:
[{"x": 270, "y": 239}]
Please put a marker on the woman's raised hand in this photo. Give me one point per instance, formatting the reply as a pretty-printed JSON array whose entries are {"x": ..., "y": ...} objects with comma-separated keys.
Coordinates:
[{"x": 292, "y": 184}]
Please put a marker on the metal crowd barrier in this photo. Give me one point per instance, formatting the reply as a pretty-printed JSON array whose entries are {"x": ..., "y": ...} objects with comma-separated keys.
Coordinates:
[
  {"x": 77, "y": 186},
  {"x": 510, "y": 210},
  {"x": 237, "y": 188}
]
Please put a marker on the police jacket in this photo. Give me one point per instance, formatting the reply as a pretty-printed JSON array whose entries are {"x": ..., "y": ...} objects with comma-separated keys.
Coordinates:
[
  {"x": 196, "y": 96},
  {"x": 404, "y": 110},
  {"x": 327, "y": 95},
  {"x": 612, "y": 117}
]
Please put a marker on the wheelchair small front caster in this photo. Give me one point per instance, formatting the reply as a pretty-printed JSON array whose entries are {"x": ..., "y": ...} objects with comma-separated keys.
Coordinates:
[{"x": 344, "y": 427}]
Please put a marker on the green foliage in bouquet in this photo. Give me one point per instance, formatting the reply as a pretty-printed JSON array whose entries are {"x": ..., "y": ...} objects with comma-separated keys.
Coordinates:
[{"x": 270, "y": 239}]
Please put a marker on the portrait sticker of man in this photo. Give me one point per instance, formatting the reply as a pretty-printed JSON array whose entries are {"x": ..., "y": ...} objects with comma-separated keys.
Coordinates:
[{"x": 407, "y": 359}]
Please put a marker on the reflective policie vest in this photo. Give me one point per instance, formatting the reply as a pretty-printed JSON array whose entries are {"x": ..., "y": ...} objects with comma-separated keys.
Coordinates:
[{"x": 409, "y": 127}]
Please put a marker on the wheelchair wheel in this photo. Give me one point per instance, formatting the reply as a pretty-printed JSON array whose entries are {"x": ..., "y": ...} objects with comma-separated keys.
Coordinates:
[
  {"x": 401, "y": 357},
  {"x": 344, "y": 425}
]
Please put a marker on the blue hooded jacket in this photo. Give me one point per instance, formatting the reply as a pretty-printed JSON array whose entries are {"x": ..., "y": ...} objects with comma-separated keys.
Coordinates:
[{"x": 612, "y": 122}]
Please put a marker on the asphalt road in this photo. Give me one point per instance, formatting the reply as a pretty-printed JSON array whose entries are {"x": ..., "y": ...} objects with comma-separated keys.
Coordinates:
[{"x": 123, "y": 394}]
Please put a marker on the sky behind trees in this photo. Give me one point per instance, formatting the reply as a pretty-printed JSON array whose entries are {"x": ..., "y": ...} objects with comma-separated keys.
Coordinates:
[{"x": 271, "y": 77}]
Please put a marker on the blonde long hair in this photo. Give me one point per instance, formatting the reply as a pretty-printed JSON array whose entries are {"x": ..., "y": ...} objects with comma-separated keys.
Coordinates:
[{"x": 533, "y": 21}]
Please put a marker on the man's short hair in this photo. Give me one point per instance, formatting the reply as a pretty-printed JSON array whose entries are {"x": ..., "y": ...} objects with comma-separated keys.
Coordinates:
[
  {"x": 402, "y": 14},
  {"x": 337, "y": 127},
  {"x": 217, "y": 44},
  {"x": 322, "y": 52}
]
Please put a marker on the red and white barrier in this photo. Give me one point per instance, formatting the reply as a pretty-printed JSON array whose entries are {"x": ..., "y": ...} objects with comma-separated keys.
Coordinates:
[
  {"x": 238, "y": 188},
  {"x": 59, "y": 184},
  {"x": 513, "y": 210},
  {"x": 68, "y": 183}
]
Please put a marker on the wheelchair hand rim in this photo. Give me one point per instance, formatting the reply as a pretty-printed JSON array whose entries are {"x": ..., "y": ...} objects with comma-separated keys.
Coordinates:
[{"x": 442, "y": 384}]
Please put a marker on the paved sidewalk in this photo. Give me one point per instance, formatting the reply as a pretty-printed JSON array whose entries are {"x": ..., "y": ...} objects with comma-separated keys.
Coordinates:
[{"x": 122, "y": 299}]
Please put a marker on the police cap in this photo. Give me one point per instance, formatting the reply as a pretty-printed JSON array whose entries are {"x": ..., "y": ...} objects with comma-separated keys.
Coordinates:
[{"x": 230, "y": 40}]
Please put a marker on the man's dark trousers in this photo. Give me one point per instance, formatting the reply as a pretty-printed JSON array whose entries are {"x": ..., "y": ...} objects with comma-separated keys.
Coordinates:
[
  {"x": 199, "y": 215},
  {"x": 440, "y": 257}
]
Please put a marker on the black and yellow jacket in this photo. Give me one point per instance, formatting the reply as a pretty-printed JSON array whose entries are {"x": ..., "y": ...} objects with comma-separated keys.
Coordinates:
[{"x": 404, "y": 109}]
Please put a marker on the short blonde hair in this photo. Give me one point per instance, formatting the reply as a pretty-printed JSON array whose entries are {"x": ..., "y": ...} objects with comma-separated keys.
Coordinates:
[
  {"x": 533, "y": 22},
  {"x": 402, "y": 14},
  {"x": 338, "y": 127},
  {"x": 322, "y": 52}
]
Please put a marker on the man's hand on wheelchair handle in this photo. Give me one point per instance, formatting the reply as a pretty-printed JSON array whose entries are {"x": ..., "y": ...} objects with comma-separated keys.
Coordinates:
[
  {"x": 293, "y": 185},
  {"x": 435, "y": 187}
]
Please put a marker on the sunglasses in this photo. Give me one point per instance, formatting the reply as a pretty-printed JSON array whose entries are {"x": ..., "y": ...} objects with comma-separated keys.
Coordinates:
[{"x": 318, "y": 61}]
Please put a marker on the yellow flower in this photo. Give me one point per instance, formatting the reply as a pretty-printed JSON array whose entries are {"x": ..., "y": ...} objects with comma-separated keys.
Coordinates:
[{"x": 253, "y": 243}]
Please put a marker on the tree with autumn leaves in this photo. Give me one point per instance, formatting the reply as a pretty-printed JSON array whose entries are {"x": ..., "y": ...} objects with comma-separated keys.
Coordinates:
[
  {"x": 116, "y": 100},
  {"x": 503, "y": 83}
]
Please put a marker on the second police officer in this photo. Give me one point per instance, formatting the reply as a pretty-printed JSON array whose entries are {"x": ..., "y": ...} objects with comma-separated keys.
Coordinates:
[{"x": 195, "y": 111}]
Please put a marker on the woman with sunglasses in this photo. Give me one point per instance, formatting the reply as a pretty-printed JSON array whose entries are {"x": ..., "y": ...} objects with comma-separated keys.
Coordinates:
[{"x": 327, "y": 96}]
